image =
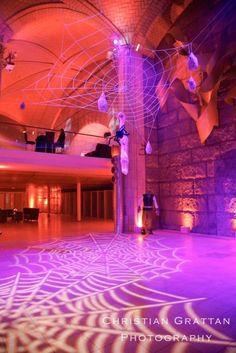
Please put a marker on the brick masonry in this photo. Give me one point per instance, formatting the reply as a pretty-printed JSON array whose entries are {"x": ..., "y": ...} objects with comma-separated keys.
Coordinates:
[{"x": 196, "y": 183}]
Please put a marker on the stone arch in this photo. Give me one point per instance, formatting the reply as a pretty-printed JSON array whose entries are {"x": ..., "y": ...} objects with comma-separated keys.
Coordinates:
[
  {"x": 83, "y": 122},
  {"x": 85, "y": 141},
  {"x": 35, "y": 42},
  {"x": 93, "y": 117},
  {"x": 81, "y": 118}
]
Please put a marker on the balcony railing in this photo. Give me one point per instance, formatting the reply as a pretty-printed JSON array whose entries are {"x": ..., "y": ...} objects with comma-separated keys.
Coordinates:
[{"x": 38, "y": 139}]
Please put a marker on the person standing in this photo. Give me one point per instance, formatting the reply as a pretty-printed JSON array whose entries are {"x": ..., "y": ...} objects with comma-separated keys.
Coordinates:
[
  {"x": 148, "y": 204},
  {"x": 59, "y": 145},
  {"x": 61, "y": 139}
]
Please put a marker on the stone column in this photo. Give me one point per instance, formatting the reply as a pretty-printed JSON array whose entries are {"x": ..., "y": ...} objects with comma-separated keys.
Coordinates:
[
  {"x": 49, "y": 200},
  {"x": 78, "y": 202},
  {"x": 131, "y": 103},
  {"x": 118, "y": 196},
  {"x": 31, "y": 194}
]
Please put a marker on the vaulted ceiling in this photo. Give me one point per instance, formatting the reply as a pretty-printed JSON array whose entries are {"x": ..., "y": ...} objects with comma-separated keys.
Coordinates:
[{"x": 56, "y": 53}]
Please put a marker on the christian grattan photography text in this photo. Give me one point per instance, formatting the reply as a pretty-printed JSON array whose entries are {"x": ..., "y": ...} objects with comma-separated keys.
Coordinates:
[{"x": 165, "y": 322}]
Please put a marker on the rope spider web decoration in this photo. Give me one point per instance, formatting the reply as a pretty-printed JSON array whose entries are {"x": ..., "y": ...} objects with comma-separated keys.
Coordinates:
[
  {"x": 56, "y": 296},
  {"x": 88, "y": 68}
]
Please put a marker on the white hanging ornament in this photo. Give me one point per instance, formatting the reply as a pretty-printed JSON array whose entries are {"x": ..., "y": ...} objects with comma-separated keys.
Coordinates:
[
  {"x": 102, "y": 103},
  {"x": 192, "y": 84},
  {"x": 148, "y": 148},
  {"x": 192, "y": 62},
  {"x": 124, "y": 146},
  {"x": 113, "y": 124}
]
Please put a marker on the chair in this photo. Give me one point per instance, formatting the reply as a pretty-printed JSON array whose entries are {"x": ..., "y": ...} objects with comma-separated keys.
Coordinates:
[
  {"x": 49, "y": 140},
  {"x": 31, "y": 214},
  {"x": 3, "y": 216},
  {"x": 17, "y": 216},
  {"x": 40, "y": 143},
  {"x": 9, "y": 212},
  {"x": 29, "y": 144},
  {"x": 59, "y": 145}
]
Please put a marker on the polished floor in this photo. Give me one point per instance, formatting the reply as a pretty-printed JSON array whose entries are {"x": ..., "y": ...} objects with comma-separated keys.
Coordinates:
[{"x": 68, "y": 287}]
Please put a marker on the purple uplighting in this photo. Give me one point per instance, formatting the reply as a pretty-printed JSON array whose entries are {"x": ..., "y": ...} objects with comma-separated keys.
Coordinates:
[
  {"x": 117, "y": 176},
  {"x": 97, "y": 291}
]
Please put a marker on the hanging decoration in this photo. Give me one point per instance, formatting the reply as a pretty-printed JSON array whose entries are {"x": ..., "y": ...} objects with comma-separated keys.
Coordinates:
[
  {"x": 192, "y": 62},
  {"x": 191, "y": 84},
  {"x": 79, "y": 79},
  {"x": 102, "y": 103},
  {"x": 148, "y": 148},
  {"x": 22, "y": 105},
  {"x": 199, "y": 85},
  {"x": 124, "y": 143},
  {"x": 114, "y": 121}
]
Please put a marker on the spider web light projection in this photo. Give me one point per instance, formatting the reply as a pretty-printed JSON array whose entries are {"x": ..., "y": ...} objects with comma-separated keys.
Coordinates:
[
  {"x": 90, "y": 294},
  {"x": 89, "y": 65}
]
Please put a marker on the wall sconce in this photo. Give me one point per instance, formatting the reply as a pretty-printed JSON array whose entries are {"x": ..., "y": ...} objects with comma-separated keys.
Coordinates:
[
  {"x": 139, "y": 221},
  {"x": 187, "y": 223},
  {"x": 184, "y": 229},
  {"x": 8, "y": 61},
  {"x": 234, "y": 225}
]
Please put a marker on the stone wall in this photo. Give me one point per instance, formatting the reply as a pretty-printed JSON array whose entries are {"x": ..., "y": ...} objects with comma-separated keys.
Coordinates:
[{"x": 197, "y": 183}]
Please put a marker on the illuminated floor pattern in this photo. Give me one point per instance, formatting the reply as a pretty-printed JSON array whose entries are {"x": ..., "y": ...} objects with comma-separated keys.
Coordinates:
[{"x": 98, "y": 292}]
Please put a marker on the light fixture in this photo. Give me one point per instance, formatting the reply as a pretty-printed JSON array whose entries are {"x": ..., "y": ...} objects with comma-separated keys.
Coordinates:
[
  {"x": 119, "y": 41},
  {"x": 10, "y": 67},
  {"x": 6, "y": 62}
]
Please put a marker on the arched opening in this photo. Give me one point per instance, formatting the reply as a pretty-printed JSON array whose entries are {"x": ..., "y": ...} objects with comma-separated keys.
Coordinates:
[{"x": 90, "y": 135}]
